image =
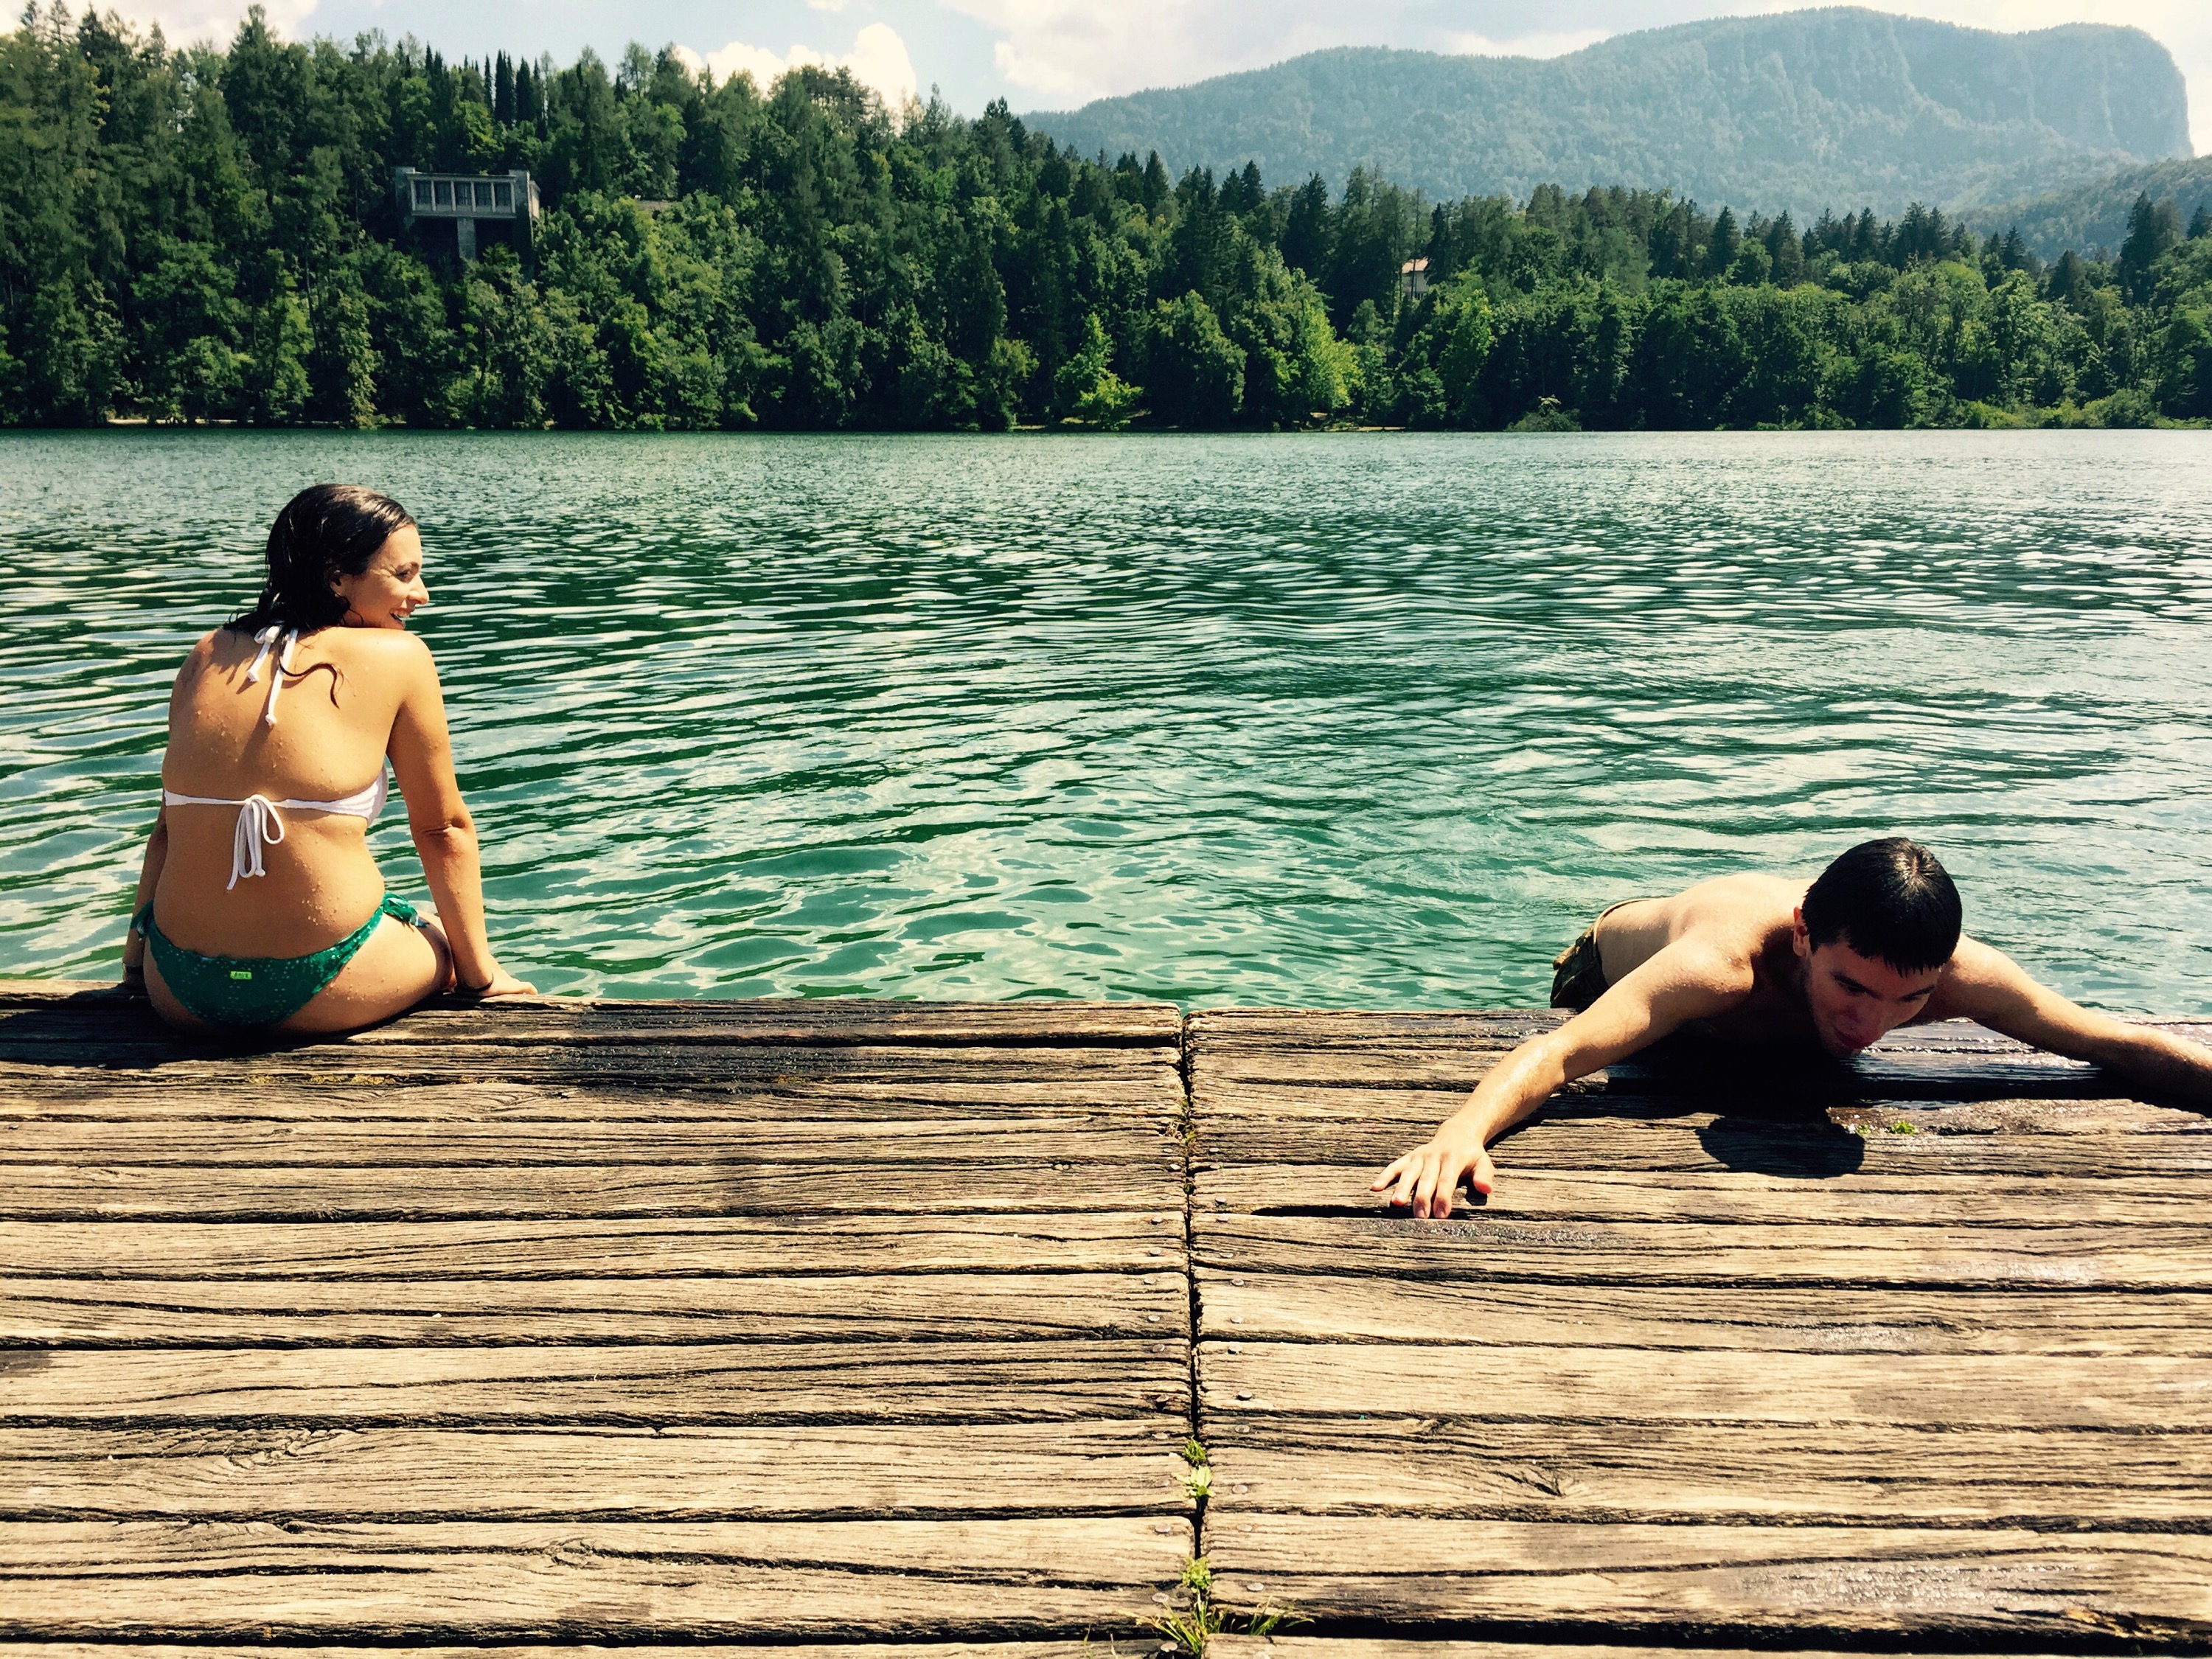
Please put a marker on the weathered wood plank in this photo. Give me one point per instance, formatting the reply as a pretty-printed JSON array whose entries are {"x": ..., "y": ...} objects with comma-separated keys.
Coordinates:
[
  {"x": 1902, "y": 1074},
  {"x": 1726, "y": 1197},
  {"x": 576, "y": 1065},
  {"x": 1688, "y": 1473},
  {"x": 866, "y": 1306},
  {"x": 1220, "y": 1102},
  {"x": 239, "y": 1192},
  {"x": 570, "y": 1581},
  {"x": 1129, "y": 1647},
  {"x": 2134, "y": 1392},
  {"x": 659, "y": 1472},
  {"x": 728, "y": 1382},
  {"x": 1386, "y": 1647},
  {"x": 836, "y": 1021},
  {"x": 743, "y": 1246},
  {"x": 243, "y": 1092},
  {"x": 1231, "y": 1027},
  {"x": 1800, "y": 1583},
  {"x": 1252, "y": 1306},
  {"x": 2073, "y": 1138},
  {"x": 1041, "y": 1141},
  {"x": 1990, "y": 1258},
  {"x": 1225, "y": 1026}
]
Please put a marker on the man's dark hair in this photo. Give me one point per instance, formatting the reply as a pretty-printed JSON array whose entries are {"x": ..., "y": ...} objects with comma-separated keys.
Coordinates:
[{"x": 1889, "y": 899}]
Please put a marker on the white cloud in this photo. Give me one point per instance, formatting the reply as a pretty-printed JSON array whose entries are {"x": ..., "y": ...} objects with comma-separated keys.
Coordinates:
[
  {"x": 1557, "y": 43},
  {"x": 185, "y": 22},
  {"x": 879, "y": 60},
  {"x": 1077, "y": 49}
]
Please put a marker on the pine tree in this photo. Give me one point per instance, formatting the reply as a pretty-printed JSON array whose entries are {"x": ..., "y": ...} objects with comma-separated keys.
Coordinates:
[
  {"x": 2153, "y": 228},
  {"x": 1305, "y": 231},
  {"x": 1723, "y": 244},
  {"x": 1155, "y": 190}
]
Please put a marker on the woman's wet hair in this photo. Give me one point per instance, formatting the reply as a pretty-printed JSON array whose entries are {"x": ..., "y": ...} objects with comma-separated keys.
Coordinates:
[
  {"x": 1888, "y": 899},
  {"x": 323, "y": 532}
]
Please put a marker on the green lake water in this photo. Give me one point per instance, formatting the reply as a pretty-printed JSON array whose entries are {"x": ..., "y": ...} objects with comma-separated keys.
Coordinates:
[{"x": 1358, "y": 720}]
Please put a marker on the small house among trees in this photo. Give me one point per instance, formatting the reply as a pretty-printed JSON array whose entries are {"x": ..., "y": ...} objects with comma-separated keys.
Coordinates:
[
  {"x": 1413, "y": 279},
  {"x": 507, "y": 198}
]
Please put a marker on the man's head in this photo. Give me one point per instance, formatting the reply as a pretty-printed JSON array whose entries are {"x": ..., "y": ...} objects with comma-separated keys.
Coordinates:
[{"x": 1875, "y": 932}]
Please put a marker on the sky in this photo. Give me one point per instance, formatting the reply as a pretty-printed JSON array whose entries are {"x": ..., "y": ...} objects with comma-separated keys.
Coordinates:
[{"x": 1056, "y": 54}]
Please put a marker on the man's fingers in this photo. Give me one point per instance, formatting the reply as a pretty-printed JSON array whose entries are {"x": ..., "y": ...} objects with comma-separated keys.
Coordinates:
[
  {"x": 1409, "y": 1176},
  {"x": 1424, "y": 1191},
  {"x": 1427, "y": 1179},
  {"x": 1440, "y": 1204}
]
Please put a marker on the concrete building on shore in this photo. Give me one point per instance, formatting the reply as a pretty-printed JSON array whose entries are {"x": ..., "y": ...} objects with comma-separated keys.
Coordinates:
[{"x": 506, "y": 201}]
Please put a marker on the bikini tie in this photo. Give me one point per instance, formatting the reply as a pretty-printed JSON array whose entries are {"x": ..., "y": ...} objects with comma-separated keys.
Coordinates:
[
  {"x": 265, "y": 639},
  {"x": 257, "y": 824}
]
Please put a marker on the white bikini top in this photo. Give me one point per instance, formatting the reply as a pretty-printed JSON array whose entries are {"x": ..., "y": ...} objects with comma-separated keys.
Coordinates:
[{"x": 258, "y": 822}]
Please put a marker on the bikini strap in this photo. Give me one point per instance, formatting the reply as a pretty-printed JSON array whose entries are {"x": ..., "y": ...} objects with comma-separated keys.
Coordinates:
[
  {"x": 265, "y": 639},
  {"x": 258, "y": 823}
]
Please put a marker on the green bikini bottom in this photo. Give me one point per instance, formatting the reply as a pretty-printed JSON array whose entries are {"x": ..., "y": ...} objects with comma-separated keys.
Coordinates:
[{"x": 246, "y": 991}]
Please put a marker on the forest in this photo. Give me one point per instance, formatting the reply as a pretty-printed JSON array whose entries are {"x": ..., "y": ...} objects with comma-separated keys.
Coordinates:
[{"x": 192, "y": 234}]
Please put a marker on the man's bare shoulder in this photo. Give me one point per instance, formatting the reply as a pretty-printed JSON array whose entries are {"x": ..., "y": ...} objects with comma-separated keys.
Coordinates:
[
  {"x": 1736, "y": 917},
  {"x": 1979, "y": 981}
]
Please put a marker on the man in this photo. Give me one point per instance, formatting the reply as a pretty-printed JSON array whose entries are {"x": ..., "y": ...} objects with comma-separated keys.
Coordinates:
[{"x": 1872, "y": 945}]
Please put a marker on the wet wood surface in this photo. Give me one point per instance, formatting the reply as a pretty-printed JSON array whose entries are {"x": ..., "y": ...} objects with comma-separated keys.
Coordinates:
[
  {"x": 591, "y": 1323},
  {"x": 1914, "y": 1353}
]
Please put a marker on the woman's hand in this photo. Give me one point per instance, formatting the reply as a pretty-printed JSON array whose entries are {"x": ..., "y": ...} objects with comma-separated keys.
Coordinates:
[{"x": 1428, "y": 1178}]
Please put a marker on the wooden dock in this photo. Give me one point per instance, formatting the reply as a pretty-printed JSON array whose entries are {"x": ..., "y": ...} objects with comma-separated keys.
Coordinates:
[{"x": 861, "y": 1325}]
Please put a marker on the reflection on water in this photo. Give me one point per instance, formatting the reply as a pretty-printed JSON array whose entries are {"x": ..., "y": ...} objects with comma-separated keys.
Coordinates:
[{"x": 1336, "y": 720}]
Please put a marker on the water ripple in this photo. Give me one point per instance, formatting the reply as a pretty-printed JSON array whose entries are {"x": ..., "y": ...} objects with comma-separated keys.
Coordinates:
[{"x": 1361, "y": 721}]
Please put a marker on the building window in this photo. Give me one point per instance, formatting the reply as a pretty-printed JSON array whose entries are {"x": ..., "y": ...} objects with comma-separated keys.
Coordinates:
[
  {"x": 445, "y": 192},
  {"x": 421, "y": 193},
  {"x": 502, "y": 195}
]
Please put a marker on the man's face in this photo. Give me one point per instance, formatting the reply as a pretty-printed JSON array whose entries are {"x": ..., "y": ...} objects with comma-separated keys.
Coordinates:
[{"x": 1856, "y": 1000}]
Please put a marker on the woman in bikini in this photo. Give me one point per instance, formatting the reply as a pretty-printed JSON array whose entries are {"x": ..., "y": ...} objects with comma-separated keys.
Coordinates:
[{"x": 259, "y": 905}]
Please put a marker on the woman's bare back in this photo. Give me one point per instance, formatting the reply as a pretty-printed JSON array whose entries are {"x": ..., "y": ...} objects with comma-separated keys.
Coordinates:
[{"x": 335, "y": 716}]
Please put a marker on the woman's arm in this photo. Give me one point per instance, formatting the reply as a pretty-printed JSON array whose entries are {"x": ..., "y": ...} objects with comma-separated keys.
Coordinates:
[
  {"x": 150, "y": 877},
  {"x": 445, "y": 835}
]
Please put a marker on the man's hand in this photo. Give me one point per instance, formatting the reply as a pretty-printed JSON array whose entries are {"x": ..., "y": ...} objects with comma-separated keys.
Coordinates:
[{"x": 1428, "y": 1178}]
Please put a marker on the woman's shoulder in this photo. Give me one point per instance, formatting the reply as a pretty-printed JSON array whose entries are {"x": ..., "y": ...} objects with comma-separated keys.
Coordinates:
[
  {"x": 393, "y": 649},
  {"x": 205, "y": 651}
]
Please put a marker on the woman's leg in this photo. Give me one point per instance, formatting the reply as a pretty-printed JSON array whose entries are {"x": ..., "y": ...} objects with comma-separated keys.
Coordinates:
[
  {"x": 397, "y": 966},
  {"x": 165, "y": 1002}
]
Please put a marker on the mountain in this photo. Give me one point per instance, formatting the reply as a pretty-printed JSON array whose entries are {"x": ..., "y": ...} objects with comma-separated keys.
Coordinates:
[
  {"x": 2095, "y": 214},
  {"x": 1840, "y": 108}
]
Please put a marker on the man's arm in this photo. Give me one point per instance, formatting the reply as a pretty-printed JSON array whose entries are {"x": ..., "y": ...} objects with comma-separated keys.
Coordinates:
[
  {"x": 1691, "y": 979},
  {"x": 1987, "y": 987}
]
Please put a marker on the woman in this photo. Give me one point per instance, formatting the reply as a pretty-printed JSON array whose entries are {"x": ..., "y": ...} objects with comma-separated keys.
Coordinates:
[{"x": 259, "y": 907}]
